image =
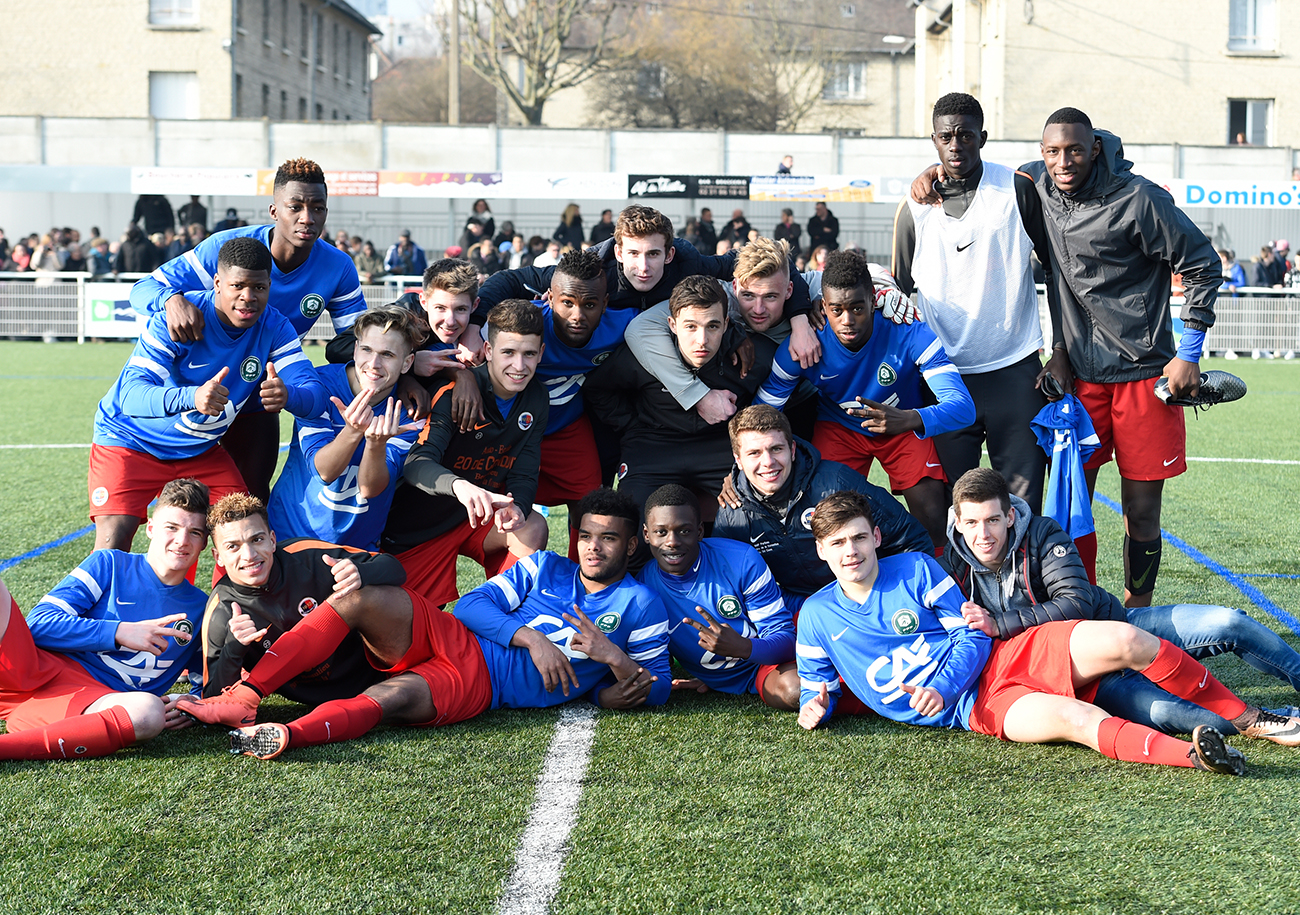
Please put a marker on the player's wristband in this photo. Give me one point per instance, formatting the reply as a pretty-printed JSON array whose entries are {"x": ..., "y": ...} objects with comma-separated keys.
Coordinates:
[{"x": 1191, "y": 344}]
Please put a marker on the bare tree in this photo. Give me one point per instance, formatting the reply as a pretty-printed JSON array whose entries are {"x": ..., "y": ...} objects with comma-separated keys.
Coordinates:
[
  {"x": 415, "y": 90},
  {"x": 531, "y": 49}
]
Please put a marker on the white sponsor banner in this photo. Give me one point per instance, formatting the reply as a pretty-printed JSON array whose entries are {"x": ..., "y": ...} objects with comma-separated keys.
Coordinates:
[
  {"x": 831, "y": 188},
  {"x": 238, "y": 182},
  {"x": 517, "y": 185},
  {"x": 109, "y": 313},
  {"x": 1239, "y": 194}
]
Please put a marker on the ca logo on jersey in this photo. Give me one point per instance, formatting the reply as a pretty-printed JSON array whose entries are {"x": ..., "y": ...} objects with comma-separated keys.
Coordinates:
[
  {"x": 608, "y": 621},
  {"x": 885, "y": 375},
  {"x": 525, "y": 421},
  {"x": 306, "y": 605},
  {"x": 311, "y": 305},
  {"x": 729, "y": 606},
  {"x": 186, "y": 627},
  {"x": 905, "y": 621},
  {"x": 806, "y": 518},
  {"x": 250, "y": 369}
]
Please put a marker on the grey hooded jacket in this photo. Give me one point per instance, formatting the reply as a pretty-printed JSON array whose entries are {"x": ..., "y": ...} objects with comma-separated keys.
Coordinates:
[{"x": 1114, "y": 245}]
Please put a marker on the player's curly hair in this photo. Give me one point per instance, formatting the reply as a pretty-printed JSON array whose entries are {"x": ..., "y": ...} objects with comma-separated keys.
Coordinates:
[
  {"x": 672, "y": 495},
  {"x": 982, "y": 484},
  {"x": 609, "y": 502},
  {"x": 837, "y": 510},
  {"x": 845, "y": 270},
  {"x": 452, "y": 274},
  {"x": 187, "y": 494},
  {"x": 958, "y": 103},
  {"x": 514, "y": 316},
  {"x": 637, "y": 221},
  {"x": 758, "y": 418},
  {"x": 236, "y": 506},
  {"x": 410, "y": 325},
  {"x": 246, "y": 253},
  {"x": 697, "y": 292},
  {"x": 760, "y": 259},
  {"x": 1068, "y": 116},
  {"x": 581, "y": 265},
  {"x": 304, "y": 170}
]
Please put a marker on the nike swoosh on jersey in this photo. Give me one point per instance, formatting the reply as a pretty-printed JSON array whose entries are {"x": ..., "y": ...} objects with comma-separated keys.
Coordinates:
[
  {"x": 836, "y": 638},
  {"x": 125, "y": 603},
  {"x": 1170, "y": 461},
  {"x": 928, "y": 464},
  {"x": 828, "y": 377},
  {"x": 199, "y": 365},
  {"x": 482, "y": 426},
  {"x": 549, "y": 594},
  {"x": 965, "y": 246}
]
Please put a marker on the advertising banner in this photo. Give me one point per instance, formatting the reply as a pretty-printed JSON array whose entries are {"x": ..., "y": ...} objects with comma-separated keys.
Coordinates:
[
  {"x": 1242, "y": 194},
  {"x": 734, "y": 187},
  {"x": 852, "y": 188},
  {"x": 236, "y": 182},
  {"x": 109, "y": 313}
]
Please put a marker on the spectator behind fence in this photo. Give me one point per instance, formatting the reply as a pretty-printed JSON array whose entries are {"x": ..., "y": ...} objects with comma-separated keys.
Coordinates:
[
  {"x": 604, "y": 229},
  {"x": 370, "y": 266},
  {"x": 506, "y": 235},
  {"x": 824, "y": 228},
  {"x": 788, "y": 231},
  {"x": 193, "y": 212},
  {"x": 483, "y": 213},
  {"x": 569, "y": 232},
  {"x": 156, "y": 212},
  {"x": 1270, "y": 270},
  {"x": 136, "y": 254},
  {"x": 232, "y": 221},
  {"x": 405, "y": 258},
  {"x": 1234, "y": 276},
  {"x": 98, "y": 259}
]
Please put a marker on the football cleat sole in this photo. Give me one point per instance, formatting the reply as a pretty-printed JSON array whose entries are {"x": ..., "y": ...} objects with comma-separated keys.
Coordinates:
[{"x": 264, "y": 741}]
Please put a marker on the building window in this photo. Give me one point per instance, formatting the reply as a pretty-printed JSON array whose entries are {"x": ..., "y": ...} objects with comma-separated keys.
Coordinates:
[
  {"x": 266, "y": 100},
  {"x": 848, "y": 10},
  {"x": 239, "y": 14},
  {"x": 846, "y": 80},
  {"x": 302, "y": 22},
  {"x": 174, "y": 96},
  {"x": 284, "y": 105},
  {"x": 173, "y": 12},
  {"x": 318, "y": 46},
  {"x": 347, "y": 43},
  {"x": 284, "y": 24},
  {"x": 1252, "y": 25},
  {"x": 320, "y": 112},
  {"x": 266, "y": 20},
  {"x": 302, "y": 108},
  {"x": 336, "y": 114},
  {"x": 650, "y": 81},
  {"x": 238, "y": 105},
  {"x": 1248, "y": 121},
  {"x": 334, "y": 47}
]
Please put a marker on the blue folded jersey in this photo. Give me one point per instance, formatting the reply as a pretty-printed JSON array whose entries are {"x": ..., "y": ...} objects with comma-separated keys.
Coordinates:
[
  {"x": 536, "y": 592},
  {"x": 80, "y": 616},
  {"x": 733, "y": 584}
]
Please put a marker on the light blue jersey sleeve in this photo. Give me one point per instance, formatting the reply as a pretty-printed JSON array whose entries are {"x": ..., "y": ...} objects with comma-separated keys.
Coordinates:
[
  {"x": 781, "y": 382},
  {"x": 970, "y": 647},
  {"x": 955, "y": 409},
  {"x": 307, "y": 396},
  {"x": 191, "y": 272},
  {"x": 61, "y": 620},
  {"x": 816, "y": 669},
  {"x": 765, "y": 606},
  {"x": 147, "y": 386},
  {"x": 489, "y": 611}
]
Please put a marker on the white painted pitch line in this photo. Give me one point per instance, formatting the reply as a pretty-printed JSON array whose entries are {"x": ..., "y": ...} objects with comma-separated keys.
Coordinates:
[
  {"x": 539, "y": 860},
  {"x": 1239, "y": 461}
]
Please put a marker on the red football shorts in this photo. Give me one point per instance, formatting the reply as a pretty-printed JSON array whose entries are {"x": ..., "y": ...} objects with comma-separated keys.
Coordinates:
[
  {"x": 907, "y": 459},
  {"x": 1036, "y": 661},
  {"x": 39, "y": 687},
  {"x": 761, "y": 675},
  {"x": 570, "y": 466},
  {"x": 448, "y": 657},
  {"x": 1147, "y": 438},
  {"x": 431, "y": 567},
  {"x": 123, "y": 481}
]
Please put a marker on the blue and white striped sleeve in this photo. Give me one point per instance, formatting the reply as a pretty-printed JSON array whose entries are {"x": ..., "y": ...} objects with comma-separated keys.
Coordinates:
[
  {"x": 489, "y": 610},
  {"x": 647, "y": 645},
  {"x": 59, "y": 620},
  {"x": 955, "y": 409},
  {"x": 347, "y": 302},
  {"x": 781, "y": 381},
  {"x": 191, "y": 272},
  {"x": 970, "y": 647},
  {"x": 765, "y": 606},
  {"x": 815, "y": 669},
  {"x": 147, "y": 387}
]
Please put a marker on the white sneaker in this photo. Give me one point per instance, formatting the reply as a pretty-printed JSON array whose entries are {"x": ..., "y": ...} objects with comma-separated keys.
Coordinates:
[
  {"x": 1231, "y": 354},
  {"x": 1289, "y": 354},
  {"x": 1257, "y": 354}
]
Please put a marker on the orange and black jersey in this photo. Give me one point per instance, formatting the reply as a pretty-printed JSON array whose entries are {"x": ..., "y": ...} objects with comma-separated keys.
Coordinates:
[
  {"x": 502, "y": 454},
  {"x": 299, "y": 582}
]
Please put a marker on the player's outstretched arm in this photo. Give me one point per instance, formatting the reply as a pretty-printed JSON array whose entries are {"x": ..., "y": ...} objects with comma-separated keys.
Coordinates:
[
  {"x": 60, "y": 621},
  {"x": 331, "y": 458}
]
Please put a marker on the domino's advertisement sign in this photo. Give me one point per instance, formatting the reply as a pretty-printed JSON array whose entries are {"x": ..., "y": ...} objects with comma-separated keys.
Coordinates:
[
  {"x": 1257, "y": 195},
  {"x": 109, "y": 314}
]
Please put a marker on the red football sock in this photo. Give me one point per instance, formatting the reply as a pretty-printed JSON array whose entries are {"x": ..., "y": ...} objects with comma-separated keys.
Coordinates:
[
  {"x": 498, "y": 562},
  {"x": 332, "y": 722},
  {"x": 79, "y": 737},
  {"x": 301, "y": 648},
  {"x": 1133, "y": 742},
  {"x": 1181, "y": 674},
  {"x": 1087, "y": 547},
  {"x": 573, "y": 544}
]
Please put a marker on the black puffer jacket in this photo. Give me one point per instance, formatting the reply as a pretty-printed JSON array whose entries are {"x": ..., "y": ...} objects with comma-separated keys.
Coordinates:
[
  {"x": 1042, "y": 581},
  {"x": 1114, "y": 244}
]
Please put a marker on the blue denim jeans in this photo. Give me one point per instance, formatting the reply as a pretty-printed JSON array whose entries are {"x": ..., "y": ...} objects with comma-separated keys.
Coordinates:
[{"x": 1203, "y": 632}]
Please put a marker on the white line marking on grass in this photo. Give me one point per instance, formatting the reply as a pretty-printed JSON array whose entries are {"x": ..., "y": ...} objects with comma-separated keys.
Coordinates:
[
  {"x": 1239, "y": 461},
  {"x": 535, "y": 877}
]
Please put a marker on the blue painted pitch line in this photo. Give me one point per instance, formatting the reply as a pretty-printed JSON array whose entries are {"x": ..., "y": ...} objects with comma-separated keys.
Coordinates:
[
  {"x": 1267, "y": 575},
  {"x": 1237, "y": 581},
  {"x": 45, "y": 548}
]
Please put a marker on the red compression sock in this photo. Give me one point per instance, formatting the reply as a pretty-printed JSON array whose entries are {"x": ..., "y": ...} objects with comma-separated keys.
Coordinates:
[
  {"x": 1087, "y": 547},
  {"x": 1133, "y": 742},
  {"x": 1181, "y": 674},
  {"x": 332, "y": 722},
  {"x": 301, "y": 648},
  {"x": 79, "y": 737}
]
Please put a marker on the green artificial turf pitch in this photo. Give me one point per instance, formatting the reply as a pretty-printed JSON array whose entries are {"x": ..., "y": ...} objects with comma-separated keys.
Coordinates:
[{"x": 712, "y": 804}]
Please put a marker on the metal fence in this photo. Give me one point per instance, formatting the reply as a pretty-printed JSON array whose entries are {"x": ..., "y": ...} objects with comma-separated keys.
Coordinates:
[{"x": 53, "y": 307}]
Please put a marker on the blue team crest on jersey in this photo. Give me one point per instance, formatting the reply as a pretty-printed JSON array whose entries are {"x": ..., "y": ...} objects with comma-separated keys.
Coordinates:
[
  {"x": 250, "y": 369},
  {"x": 806, "y": 518},
  {"x": 729, "y": 606},
  {"x": 886, "y": 375},
  {"x": 525, "y": 420},
  {"x": 311, "y": 305},
  {"x": 905, "y": 621},
  {"x": 608, "y": 621},
  {"x": 186, "y": 627}
]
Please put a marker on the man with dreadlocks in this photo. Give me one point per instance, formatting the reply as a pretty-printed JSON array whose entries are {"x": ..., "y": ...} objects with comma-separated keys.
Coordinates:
[{"x": 308, "y": 276}]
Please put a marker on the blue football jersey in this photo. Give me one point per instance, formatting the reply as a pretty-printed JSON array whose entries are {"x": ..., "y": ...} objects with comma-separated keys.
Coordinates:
[
  {"x": 535, "y": 592},
  {"x": 731, "y": 582},
  {"x": 888, "y": 370},
  {"x": 79, "y": 618},
  {"x": 909, "y": 630},
  {"x": 304, "y": 505},
  {"x": 563, "y": 369},
  {"x": 327, "y": 281},
  {"x": 150, "y": 407}
]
